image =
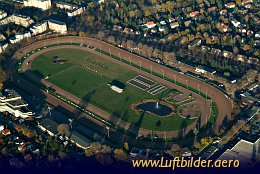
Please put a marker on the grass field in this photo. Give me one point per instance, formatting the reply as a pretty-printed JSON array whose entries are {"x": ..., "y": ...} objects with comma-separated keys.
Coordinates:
[{"x": 75, "y": 77}]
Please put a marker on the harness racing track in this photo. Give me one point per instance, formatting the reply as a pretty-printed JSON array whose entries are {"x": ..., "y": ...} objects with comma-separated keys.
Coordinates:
[{"x": 223, "y": 103}]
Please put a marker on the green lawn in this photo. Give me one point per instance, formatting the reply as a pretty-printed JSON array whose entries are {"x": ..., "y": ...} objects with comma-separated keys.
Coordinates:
[{"x": 92, "y": 86}]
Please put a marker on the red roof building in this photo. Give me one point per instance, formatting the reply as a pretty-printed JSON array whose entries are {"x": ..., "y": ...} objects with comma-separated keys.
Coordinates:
[
  {"x": 6, "y": 132},
  {"x": 194, "y": 13},
  {"x": 214, "y": 8}
]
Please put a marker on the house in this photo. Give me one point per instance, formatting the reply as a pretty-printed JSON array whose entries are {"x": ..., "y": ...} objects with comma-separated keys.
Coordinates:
[
  {"x": 6, "y": 132},
  {"x": 227, "y": 54},
  {"x": 194, "y": 13},
  {"x": 3, "y": 14},
  {"x": 48, "y": 125},
  {"x": 117, "y": 28},
  {"x": 245, "y": 2},
  {"x": 211, "y": 9},
  {"x": 248, "y": 6},
  {"x": 162, "y": 28},
  {"x": 257, "y": 35},
  {"x": 171, "y": 20},
  {"x": 42, "y": 4},
  {"x": 230, "y": 5},
  {"x": 150, "y": 24},
  {"x": 241, "y": 58},
  {"x": 162, "y": 22},
  {"x": 195, "y": 42},
  {"x": 252, "y": 60},
  {"x": 224, "y": 27},
  {"x": 128, "y": 30},
  {"x": 174, "y": 25},
  {"x": 181, "y": 40},
  {"x": 2, "y": 127},
  {"x": 235, "y": 22},
  {"x": 223, "y": 12},
  {"x": 187, "y": 23},
  {"x": 39, "y": 28},
  {"x": 244, "y": 151},
  {"x": 57, "y": 26}
]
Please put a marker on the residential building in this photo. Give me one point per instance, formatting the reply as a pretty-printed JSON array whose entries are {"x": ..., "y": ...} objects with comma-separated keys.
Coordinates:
[
  {"x": 194, "y": 13},
  {"x": 171, "y": 20},
  {"x": 174, "y": 25},
  {"x": 241, "y": 58},
  {"x": 3, "y": 46},
  {"x": 128, "y": 31},
  {"x": 245, "y": 2},
  {"x": 187, "y": 23},
  {"x": 3, "y": 14},
  {"x": 2, "y": 127},
  {"x": 230, "y": 5},
  {"x": 18, "y": 19},
  {"x": 235, "y": 22},
  {"x": 227, "y": 54},
  {"x": 150, "y": 24},
  {"x": 13, "y": 103},
  {"x": 42, "y": 4},
  {"x": 20, "y": 36},
  {"x": 2, "y": 37},
  {"x": 223, "y": 12},
  {"x": 57, "y": 26},
  {"x": 195, "y": 42},
  {"x": 72, "y": 9},
  {"x": 211, "y": 9},
  {"x": 6, "y": 132},
  {"x": 75, "y": 12},
  {"x": 67, "y": 6},
  {"x": 244, "y": 151},
  {"x": 39, "y": 28}
]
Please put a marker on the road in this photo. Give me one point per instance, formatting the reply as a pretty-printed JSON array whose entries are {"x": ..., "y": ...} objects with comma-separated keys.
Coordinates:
[{"x": 224, "y": 104}]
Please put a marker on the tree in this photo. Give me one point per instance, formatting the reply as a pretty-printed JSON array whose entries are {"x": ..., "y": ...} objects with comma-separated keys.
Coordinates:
[
  {"x": 120, "y": 155},
  {"x": 63, "y": 128},
  {"x": 175, "y": 151}
]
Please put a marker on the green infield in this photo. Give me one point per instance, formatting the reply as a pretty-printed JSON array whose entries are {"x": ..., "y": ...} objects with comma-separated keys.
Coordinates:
[{"x": 86, "y": 75}]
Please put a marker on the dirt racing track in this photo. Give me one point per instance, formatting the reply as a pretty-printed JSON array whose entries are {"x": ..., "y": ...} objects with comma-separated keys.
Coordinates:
[{"x": 223, "y": 102}]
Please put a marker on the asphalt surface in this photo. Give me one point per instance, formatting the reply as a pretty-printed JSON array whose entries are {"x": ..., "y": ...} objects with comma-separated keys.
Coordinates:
[{"x": 224, "y": 104}]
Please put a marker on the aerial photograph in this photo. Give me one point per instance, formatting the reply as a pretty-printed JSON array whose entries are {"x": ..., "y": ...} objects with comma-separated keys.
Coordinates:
[{"x": 129, "y": 86}]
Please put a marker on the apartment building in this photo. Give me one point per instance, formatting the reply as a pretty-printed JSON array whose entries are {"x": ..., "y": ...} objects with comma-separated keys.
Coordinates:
[{"x": 42, "y": 4}]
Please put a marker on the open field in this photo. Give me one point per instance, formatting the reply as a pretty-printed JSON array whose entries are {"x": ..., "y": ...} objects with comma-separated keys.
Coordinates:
[{"x": 86, "y": 75}]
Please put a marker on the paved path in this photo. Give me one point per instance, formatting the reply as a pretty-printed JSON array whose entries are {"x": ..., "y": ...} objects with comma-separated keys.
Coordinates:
[{"x": 222, "y": 101}]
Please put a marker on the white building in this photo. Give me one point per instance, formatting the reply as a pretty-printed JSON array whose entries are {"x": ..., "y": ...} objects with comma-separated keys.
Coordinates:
[
  {"x": 2, "y": 37},
  {"x": 18, "y": 19},
  {"x": 1, "y": 127},
  {"x": 39, "y": 28},
  {"x": 20, "y": 36},
  {"x": 3, "y": 46},
  {"x": 57, "y": 26},
  {"x": 75, "y": 12},
  {"x": 14, "y": 104},
  {"x": 117, "y": 89},
  {"x": 3, "y": 14},
  {"x": 42, "y": 4},
  {"x": 72, "y": 9}
]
